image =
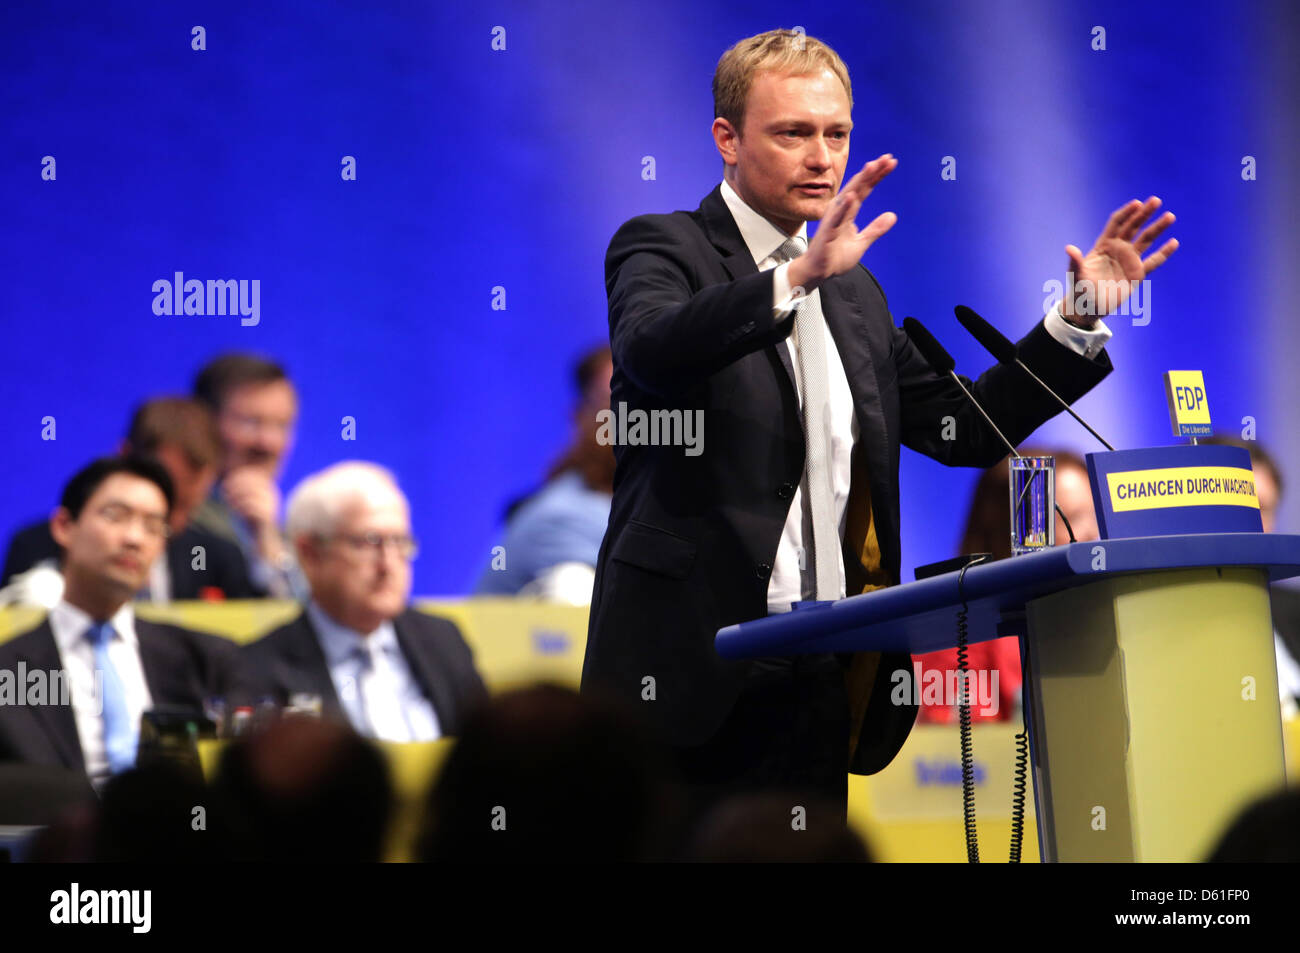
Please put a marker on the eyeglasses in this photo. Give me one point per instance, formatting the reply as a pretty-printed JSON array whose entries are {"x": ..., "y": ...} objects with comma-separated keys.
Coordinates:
[
  {"x": 372, "y": 544},
  {"x": 119, "y": 514}
]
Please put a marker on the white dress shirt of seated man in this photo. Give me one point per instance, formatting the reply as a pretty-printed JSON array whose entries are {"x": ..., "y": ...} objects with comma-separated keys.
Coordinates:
[{"x": 110, "y": 539}]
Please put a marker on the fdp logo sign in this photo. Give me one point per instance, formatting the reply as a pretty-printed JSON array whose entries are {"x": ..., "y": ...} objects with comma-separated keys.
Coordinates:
[{"x": 1189, "y": 412}]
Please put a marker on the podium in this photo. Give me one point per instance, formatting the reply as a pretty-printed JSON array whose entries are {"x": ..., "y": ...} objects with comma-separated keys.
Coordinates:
[{"x": 1149, "y": 672}]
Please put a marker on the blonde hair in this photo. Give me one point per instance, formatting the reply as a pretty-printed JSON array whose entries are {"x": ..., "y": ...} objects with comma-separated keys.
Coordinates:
[{"x": 778, "y": 51}]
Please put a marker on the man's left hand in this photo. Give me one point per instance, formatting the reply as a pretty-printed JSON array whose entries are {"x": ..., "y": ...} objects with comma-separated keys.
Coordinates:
[{"x": 1103, "y": 279}]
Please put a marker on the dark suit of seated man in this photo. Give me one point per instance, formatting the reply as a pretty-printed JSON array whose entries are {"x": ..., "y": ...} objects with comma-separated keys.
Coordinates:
[
  {"x": 89, "y": 671},
  {"x": 393, "y": 673}
]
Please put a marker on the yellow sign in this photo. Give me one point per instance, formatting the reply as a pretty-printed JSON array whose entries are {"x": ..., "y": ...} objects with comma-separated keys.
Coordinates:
[
  {"x": 1181, "y": 486},
  {"x": 1189, "y": 412}
]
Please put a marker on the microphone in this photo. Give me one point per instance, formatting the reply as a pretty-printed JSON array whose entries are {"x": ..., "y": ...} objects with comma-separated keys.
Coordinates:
[
  {"x": 942, "y": 362},
  {"x": 996, "y": 344},
  {"x": 939, "y": 359}
]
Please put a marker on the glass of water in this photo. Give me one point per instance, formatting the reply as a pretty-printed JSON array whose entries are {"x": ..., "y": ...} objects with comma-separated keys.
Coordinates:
[{"x": 1033, "y": 499}]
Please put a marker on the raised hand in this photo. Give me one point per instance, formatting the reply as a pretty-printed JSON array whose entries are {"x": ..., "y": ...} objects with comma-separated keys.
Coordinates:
[
  {"x": 838, "y": 244},
  {"x": 1105, "y": 277}
]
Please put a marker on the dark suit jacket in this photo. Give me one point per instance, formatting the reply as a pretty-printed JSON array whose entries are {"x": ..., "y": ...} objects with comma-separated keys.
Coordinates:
[
  {"x": 181, "y": 668},
  {"x": 691, "y": 540},
  {"x": 224, "y": 565},
  {"x": 290, "y": 660}
]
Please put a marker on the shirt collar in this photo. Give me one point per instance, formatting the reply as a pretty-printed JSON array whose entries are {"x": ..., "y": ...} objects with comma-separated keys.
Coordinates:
[
  {"x": 69, "y": 624},
  {"x": 338, "y": 642},
  {"x": 762, "y": 238}
]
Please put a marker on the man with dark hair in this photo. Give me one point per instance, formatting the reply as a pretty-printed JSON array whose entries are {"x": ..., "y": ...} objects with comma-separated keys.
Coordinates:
[
  {"x": 180, "y": 433},
  {"x": 91, "y": 669},
  {"x": 256, "y": 408}
]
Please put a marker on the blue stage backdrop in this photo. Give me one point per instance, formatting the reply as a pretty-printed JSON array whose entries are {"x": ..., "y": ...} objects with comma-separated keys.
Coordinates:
[{"x": 480, "y": 169}]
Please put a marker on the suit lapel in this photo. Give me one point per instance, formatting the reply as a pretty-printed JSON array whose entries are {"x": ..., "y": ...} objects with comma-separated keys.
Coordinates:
[
  {"x": 159, "y": 662},
  {"x": 724, "y": 233},
  {"x": 58, "y": 721},
  {"x": 844, "y": 317},
  {"x": 308, "y": 658},
  {"x": 848, "y": 328},
  {"x": 848, "y": 324},
  {"x": 421, "y": 655}
]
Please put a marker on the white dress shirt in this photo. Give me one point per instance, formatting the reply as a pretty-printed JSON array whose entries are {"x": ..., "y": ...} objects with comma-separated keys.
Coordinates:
[
  {"x": 1288, "y": 678},
  {"x": 70, "y": 625},
  {"x": 381, "y": 697},
  {"x": 789, "y": 583},
  {"x": 160, "y": 580}
]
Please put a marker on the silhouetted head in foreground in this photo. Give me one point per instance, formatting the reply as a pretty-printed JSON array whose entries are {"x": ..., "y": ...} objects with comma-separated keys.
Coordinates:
[
  {"x": 303, "y": 790},
  {"x": 1268, "y": 831},
  {"x": 156, "y": 813},
  {"x": 775, "y": 828},
  {"x": 545, "y": 774}
]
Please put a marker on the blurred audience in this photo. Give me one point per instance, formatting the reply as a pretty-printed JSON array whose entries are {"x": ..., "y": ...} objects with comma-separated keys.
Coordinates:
[
  {"x": 180, "y": 433},
  {"x": 357, "y": 648},
  {"x": 1284, "y": 596},
  {"x": 988, "y": 530},
  {"x": 1268, "y": 475},
  {"x": 769, "y": 828},
  {"x": 302, "y": 791},
  {"x": 111, "y": 524},
  {"x": 544, "y": 774},
  {"x": 299, "y": 791},
  {"x": 147, "y": 815},
  {"x": 1267, "y": 831},
  {"x": 256, "y": 409},
  {"x": 553, "y": 536}
]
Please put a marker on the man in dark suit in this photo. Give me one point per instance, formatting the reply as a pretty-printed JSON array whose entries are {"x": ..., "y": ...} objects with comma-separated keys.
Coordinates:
[
  {"x": 392, "y": 672},
  {"x": 726, "y": 316},
  {"x": 181, "y": 434},
  {"x": 101, "y": 668},
  {"x": 256, "y": 409}
]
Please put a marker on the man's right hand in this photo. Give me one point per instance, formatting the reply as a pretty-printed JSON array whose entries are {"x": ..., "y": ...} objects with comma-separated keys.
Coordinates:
[
  {"x": 251, "y": 492},
  {"x": 838, "y": 245}
]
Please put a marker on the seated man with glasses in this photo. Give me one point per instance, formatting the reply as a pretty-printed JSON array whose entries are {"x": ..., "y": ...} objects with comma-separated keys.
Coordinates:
[
  {"x": 80, "y": 681},
  {"x": 181, "y": 434},
  {"x": 357, "y": 649}
]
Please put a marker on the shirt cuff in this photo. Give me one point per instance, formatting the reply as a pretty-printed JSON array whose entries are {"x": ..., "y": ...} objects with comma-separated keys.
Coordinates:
[
  {"x": 783, "y": 304},
  {"x": 1087, "y": 343}
]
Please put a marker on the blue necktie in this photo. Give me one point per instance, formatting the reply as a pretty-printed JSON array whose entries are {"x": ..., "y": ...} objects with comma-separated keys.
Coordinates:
[{"x": 120, "y": 734}]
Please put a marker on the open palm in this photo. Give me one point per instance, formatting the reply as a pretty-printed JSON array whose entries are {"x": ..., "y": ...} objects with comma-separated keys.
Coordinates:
[{"x": 1105, "y": 277}]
